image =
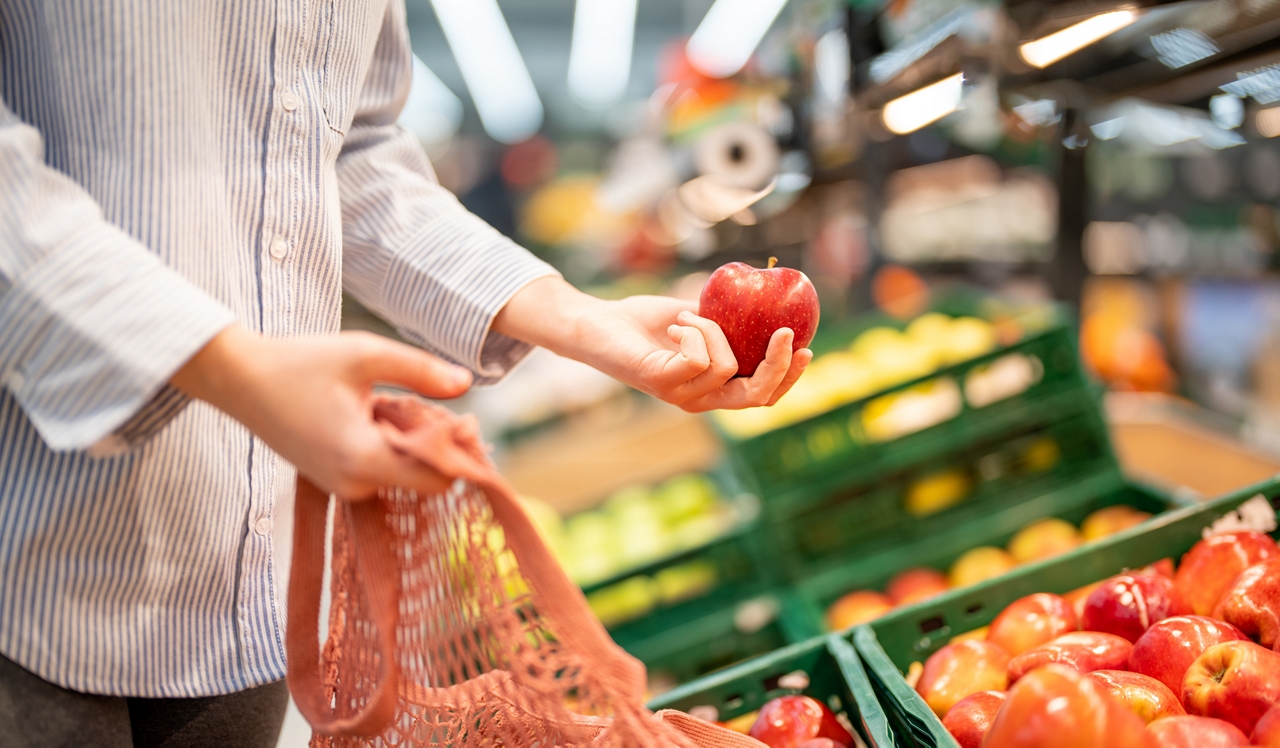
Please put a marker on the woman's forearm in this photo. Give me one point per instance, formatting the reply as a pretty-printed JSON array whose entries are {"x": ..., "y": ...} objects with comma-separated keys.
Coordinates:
[{"x": 552, "y": 314}]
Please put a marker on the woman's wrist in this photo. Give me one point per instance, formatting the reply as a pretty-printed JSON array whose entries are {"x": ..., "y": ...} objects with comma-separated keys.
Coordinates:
[{"x": 552, "y": 314}]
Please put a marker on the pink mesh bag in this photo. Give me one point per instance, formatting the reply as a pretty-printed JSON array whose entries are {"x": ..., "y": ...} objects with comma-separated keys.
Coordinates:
[{"x": 451, "y": 624}]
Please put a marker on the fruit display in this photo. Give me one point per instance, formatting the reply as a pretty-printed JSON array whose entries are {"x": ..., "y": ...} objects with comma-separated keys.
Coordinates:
[
  {"x": 799, "y": 722},
  {"x": 1136, "y": 666},
  {"x": 1040, "y": 540},
  {"x": 882, "y": 357}
]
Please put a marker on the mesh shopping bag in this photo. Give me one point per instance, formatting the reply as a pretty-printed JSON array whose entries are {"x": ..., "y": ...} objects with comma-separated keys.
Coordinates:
[{"x": 451, "y": 624}]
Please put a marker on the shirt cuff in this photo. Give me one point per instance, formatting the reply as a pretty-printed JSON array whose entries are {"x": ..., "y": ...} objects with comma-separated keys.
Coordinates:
[
  {"x": 93, "y": 334},
  {"x": 445, "y": 299}
]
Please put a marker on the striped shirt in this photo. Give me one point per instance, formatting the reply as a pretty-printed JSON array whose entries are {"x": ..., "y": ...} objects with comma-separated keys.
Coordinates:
[{"x": 166, "y": 169}]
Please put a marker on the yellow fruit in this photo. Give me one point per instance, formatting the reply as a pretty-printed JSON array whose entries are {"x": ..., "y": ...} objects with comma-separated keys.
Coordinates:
[
  {"x": 873, "y": 338},
  {"x": 1044, "y": 539},
  {"x": 930, "y": 328},
  {"x": 967, "y": 338},
  {"x": 980, "y": 564},
  {"x": 1110, "y": 520},
  {"x": 936, "y": 492},
  {"x": 1040, "y": 455}
]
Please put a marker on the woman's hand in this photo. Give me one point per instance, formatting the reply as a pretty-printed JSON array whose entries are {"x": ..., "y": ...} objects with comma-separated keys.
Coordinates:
[
  {"x": 656, "y": 344},
  {"x": 311, "y": 399}
]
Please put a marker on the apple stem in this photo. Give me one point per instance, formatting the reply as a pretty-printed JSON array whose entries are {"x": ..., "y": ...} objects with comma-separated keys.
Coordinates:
[{"x": 772, "y": 261}]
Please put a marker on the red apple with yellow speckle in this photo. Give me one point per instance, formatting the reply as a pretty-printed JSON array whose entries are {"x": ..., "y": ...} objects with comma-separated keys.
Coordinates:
[{"x": 750, "y": 304}]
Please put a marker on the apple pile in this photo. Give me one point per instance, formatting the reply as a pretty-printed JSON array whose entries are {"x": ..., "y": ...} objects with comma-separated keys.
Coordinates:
[
  {"x": 1039, "y": 540},
  {"x": 1144, "y": 658}
]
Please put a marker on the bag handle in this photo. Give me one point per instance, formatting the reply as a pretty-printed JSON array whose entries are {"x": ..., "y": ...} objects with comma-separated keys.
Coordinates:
[{"x": 370, "y": 540}]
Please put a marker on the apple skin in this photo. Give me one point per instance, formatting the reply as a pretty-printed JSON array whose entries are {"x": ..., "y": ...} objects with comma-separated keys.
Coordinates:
[
  {"x": 1208, "y": 570},
  {"x": 857, "y": 607},
  {"x": 1191, "y": 731},
  {"x": 913, "y": 585},
  {"x": 1082, "y": 714},
  {"x": 821, "y": 743},
  {"x": 750, "y": 304},
  {"x": 1235, "y": 681},
  {"x": 1267, "y": 732},
  {"x": 789, "y": 721},
  {"x": 960, "y": 669},
  {"x": 1031, "y": 621},
  {"x": 1252, "y": 603},
  {"x": 1169, "y": 647},
  {"x": 971, "y": 717},
  {"x": 1078, "y": 596},
  {"x": 1126, "y": 605},
  {"x": 1145, "y": 696},
  {"x": 1161, "y": 568},
  {"x": 1082, "y": 651}
]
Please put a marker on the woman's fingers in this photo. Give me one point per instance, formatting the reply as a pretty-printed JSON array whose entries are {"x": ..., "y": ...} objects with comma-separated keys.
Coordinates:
[
  {"x": 799, "y": 362},
  {"x": 723, "y": 365},
  {"x": 388, "y": 362}
]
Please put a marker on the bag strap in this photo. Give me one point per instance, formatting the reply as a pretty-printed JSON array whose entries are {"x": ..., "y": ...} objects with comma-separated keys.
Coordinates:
[{"x": 370, "y": 540}]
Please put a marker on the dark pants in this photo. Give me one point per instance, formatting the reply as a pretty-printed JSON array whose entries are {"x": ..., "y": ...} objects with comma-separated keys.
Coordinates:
[{"x": 35, "y": 713}]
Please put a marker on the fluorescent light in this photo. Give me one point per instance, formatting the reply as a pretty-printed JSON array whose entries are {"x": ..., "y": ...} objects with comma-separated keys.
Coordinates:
[
  {"x": 729, "y": 33},
  {"x": 1262, "y": 84},
  {"x": 600, "y": 55},
  {"x": 1268, "y": 122},
  {"x": 1049, "y": 49},
  {"x": 1180, "y": 47},
  {"x": 492, "y": 67},
  {"x": 432, "y": 111},
  {"x": 929, "y": 104}
]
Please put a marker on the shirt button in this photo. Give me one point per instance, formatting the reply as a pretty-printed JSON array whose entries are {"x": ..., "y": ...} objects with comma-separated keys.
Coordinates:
[
  {"x": 262, "y": 526},
  {"x": 289, "y": 100},
  {"x": 279, "y": 248}
]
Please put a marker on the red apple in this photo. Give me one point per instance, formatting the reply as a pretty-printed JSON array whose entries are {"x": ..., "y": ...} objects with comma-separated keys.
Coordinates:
[
  {"x": 1082, "y": 651},
  {"x": 960, "y": 669},
  {"x": 1078, "y": 596},
  {"x": 1169, "y": 647},
  {"x": 1056, "y": 707},
  {"x": 971, "y": 717},
  {"x": 1145, "y": 696},
  {"x": 1267, "y": 732},
  {"x": 1031, "y": 621},
  {"x": 1252, "y": 603},
  {"x": 1162, "y": 568},
  {"x": 789, "y": 721},
  {"x": 913, "y": 585},
  {"x": 750, "y": 304},
  {"x": 1235, "y": 681},
  {"x": 1209, "y": 568},
  {"x": 821, "y": 743},
  {"x": 1190, "y": 731},
  {"x": 1126, "y": 605},
  {"x": 857, "y": 607}
]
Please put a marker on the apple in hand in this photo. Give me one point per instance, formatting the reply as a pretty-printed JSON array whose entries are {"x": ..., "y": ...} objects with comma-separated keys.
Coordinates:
[
  {"x": 1126, "y": 605},
  {"x": 1169, "y": 647},
  {"x": 971, "y": 717},
  {"x": 1211, "y": 566},
  {"x": 750, "y": 304},
  {"x": 1191, "y": 731},
  {"x": 1252, "y": 603},
  {"x": 1235, "y": 681},
  {"x": 789, "y": 721},
  {"x": 1145, "y": 696},
  {"x": 1031, "y": 621},
  {"x": 1056, "y": 707},
  {"x": 1082, "y": 651},
  {"x": 959, "y": 669},
  {"x": 913, "y": 585},
  {"x": 857, "y": 607},
  {"x": 1267, "y": 732}
]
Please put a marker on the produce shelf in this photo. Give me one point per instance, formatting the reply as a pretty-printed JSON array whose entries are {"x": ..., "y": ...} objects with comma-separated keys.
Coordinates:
[
  {"x": 890, "y": 644},
  {"x": 827, "y": 669}
]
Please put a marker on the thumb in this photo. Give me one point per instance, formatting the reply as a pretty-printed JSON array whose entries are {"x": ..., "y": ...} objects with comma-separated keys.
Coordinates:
[{"x": 388, "y": 362}]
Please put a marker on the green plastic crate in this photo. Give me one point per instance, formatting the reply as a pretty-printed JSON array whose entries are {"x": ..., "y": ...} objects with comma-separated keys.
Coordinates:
[
  {"x": 827, "y": 669},
  {"x": 890, "y": 644},
  {"x": 783, "y": 465}
]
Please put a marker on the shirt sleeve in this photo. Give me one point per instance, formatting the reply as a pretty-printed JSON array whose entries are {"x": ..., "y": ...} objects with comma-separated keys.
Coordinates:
[
  {"x": 92, "y": 323},
  {"x": 411, "y": 252}
]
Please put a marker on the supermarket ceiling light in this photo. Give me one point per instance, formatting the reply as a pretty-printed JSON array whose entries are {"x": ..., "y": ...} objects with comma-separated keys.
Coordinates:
[
  {"x": 492, "y": 67},
  {"x": 729, "y": 33},
  {"x": 921, "y": 107},
  {"x": 600, "y": 54},
  {"x": 1049, "y": 49}
]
